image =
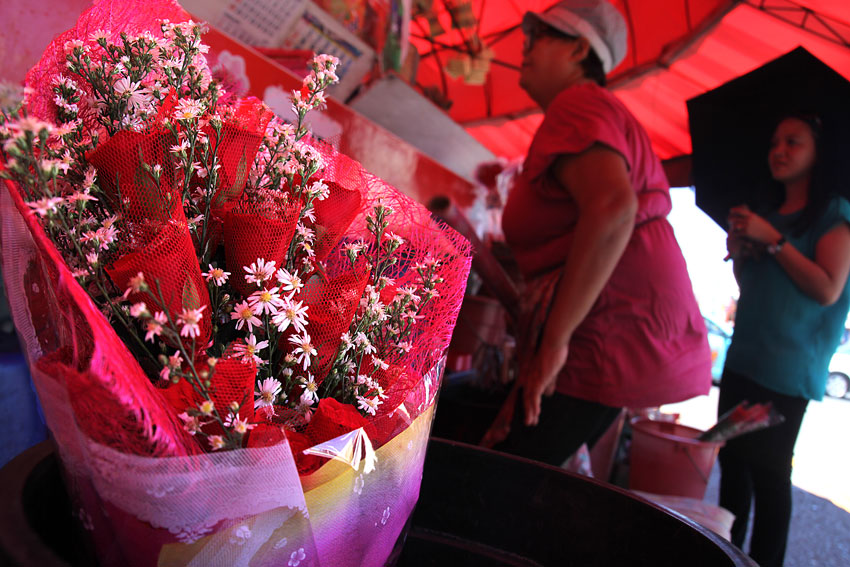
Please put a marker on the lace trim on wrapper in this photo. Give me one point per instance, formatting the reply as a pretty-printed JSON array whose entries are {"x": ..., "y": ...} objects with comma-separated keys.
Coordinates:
[{"x": 174, "y": 493}]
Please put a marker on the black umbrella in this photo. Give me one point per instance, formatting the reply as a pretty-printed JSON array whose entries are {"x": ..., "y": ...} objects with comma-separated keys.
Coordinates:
[{"x": 731, "y": 127}]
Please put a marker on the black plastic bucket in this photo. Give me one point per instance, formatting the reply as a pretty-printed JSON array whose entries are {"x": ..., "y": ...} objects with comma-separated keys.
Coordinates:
[
  {"x": 37, "y": 526},
  {"x": 482, "y": 508}
]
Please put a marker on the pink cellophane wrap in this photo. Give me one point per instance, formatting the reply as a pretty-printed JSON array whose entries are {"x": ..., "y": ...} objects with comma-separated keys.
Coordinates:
[{"x": 142, "y": 486}]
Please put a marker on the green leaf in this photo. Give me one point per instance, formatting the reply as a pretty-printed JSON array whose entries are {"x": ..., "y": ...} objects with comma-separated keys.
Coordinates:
[
  {"x": 191, "y": 297},
  {"x": 226, "y": 194}
]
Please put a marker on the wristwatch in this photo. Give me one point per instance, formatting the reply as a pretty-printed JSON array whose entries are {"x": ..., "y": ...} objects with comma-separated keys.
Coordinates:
[{"x": 776, "y": 246}]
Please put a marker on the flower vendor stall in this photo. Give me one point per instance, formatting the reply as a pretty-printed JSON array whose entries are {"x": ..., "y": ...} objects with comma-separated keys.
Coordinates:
[{"x": 235, "y": 331}]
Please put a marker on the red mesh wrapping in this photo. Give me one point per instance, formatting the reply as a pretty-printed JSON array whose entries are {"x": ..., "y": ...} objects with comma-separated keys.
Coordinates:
[
  {"x": 265, "y": 435},
  {"x": 153, "y": 237},
  {"x": 169, "y": 262},
  {"x": 113, "y": 400},
  {"x": 232, "y": 380},
  {"x": 241, "y": 135},
  {"x": 334, "y": 215},
  {"x": 253, "y": 231},
  {"x": 332, "y": 306},
  {"x": 131, "y": 16},
  {"x": 119, "y": 162},
  {"x": 423, "y": 238},
  {"x": 97, "y": 404},
  {"x": 403, "y": 388}
]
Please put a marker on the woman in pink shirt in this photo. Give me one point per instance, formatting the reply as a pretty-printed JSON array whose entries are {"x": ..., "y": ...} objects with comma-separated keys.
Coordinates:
[{"x": 610, "y": 319}]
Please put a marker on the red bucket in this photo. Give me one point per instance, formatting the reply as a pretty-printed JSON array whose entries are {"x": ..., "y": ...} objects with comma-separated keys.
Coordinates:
[{"x": 667, "y": 458}]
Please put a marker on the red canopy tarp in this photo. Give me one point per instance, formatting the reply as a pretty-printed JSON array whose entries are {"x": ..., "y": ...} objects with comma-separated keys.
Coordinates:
[{"x": 678, "y": 49}]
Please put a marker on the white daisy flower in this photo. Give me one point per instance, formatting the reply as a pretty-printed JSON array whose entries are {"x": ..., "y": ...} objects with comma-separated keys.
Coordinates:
[
  {"x": 265, "y": 301},
  {"x": 267, "y": 393},
  {"x": 304, "y": 349},
  {"x": 244, "y": 315},
  {"x": 190, "y": 320},
  {"x": 216, "y": 275},
  {"x": 291, "y": 312},
  {"x": 249, "y": 349},
  {"x": 259, "y": 271}
]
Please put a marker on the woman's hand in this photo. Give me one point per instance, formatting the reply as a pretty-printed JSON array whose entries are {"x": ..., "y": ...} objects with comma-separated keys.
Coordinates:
[
  {"x": 745, "y": 223},
  {"x": 540, "y": 379},
  {"x": 823, "y": 277},
  {"x": 739, "y": 247},
  {"x": 537, "y": 378}
]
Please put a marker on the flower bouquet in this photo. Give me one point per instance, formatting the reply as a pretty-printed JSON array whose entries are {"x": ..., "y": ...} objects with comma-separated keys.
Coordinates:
[
  {"x": 236, "y": 333},
  {"x": 741, "y": 419}
]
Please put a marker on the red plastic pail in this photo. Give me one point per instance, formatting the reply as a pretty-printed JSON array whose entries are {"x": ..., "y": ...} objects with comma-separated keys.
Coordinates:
[{"x": 666, "y": 458}]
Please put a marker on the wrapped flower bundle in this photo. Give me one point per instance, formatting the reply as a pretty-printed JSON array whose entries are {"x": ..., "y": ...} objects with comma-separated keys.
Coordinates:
[
  {"x": 743, "y": 418},
  {"x": 236, "y": 333}
]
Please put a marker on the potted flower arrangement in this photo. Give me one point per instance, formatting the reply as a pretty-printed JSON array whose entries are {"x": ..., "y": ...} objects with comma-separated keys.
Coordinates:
[{"x": 236, "y": 332}]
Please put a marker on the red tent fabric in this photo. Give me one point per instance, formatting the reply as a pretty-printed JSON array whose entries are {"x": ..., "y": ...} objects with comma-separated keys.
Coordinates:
[{"x": 677, "y": 49}]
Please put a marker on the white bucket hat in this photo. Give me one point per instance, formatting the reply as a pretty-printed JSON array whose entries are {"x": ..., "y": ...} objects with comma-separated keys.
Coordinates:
[{"x": 596, "y": 20}]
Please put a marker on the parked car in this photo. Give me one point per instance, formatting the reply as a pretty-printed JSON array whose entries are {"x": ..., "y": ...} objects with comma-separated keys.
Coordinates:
[
  {"x": 718, "y": 341},
  {"x": 838, "y": 381},
  {"x": 837, "y": 384}
]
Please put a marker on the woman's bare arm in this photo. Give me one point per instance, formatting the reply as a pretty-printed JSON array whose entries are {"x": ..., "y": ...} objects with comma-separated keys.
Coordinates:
[
  {"x": 823, "y": 279},
  {"x": 598, "y": 180}
]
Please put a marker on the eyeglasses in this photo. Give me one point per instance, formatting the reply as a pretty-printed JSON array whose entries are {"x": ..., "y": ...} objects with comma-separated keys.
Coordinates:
[{"x": 542, "y": 30}]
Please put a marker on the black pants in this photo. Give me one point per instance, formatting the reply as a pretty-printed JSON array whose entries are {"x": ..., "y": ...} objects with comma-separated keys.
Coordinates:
[
  {"x": 757, "y": 466},
  {"x": 565, "y": 424}
]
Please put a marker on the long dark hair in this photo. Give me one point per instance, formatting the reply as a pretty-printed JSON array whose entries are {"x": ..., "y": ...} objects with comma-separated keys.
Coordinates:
[{"x": 822, "y": 182}]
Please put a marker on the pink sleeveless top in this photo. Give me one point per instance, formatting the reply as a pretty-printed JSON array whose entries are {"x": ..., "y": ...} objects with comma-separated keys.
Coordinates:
[{"x": 644, "y": 341}]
